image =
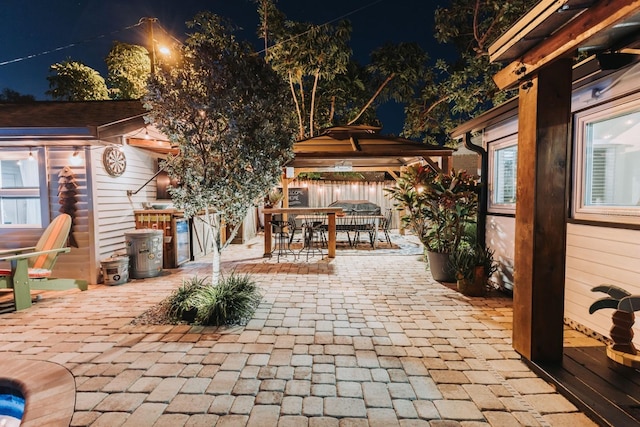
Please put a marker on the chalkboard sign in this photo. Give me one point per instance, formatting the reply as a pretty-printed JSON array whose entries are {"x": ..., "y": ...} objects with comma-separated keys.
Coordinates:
[{"x": 298, "y": 197}]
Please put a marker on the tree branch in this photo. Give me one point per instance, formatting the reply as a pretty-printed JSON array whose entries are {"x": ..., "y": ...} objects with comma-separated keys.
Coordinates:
[{"x": 375, "y": 95}]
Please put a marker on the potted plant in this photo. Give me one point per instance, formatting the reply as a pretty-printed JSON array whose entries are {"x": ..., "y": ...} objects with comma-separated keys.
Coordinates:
[
  {"x": 472, "y": 266},
  {"x": 274, "y": 196},
  {"x": 438, "y": 207}
]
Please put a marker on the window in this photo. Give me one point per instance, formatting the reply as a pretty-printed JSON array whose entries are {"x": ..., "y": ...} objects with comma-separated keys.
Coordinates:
[
  {"x": 607, "y": 172},
  {"x": 503, "y": 163},
  {"x": 21, "y": 188}
]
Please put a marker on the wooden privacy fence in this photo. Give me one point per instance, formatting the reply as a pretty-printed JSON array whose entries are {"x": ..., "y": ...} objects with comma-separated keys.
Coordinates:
[{"x": 323, "y": 193}]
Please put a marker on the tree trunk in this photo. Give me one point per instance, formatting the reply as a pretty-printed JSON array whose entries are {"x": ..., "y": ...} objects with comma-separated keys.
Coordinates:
[
  {"x": 295, "y": 100},
  {"x": 313, "y": 101}
]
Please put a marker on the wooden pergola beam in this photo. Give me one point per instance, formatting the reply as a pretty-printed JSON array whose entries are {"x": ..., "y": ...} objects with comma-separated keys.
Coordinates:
[{"x": 566, "y": 40}]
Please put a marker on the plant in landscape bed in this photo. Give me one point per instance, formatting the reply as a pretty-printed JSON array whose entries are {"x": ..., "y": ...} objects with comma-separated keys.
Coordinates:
[
  {"x": 231, "y": 302},
  {"x": 179, "y": 302}
]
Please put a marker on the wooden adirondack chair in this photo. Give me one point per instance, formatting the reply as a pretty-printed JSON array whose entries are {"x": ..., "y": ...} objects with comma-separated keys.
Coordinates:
[{"x": 31, "y": 267}]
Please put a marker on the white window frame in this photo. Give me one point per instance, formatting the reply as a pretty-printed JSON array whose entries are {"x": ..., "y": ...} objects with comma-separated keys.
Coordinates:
[
  {"x": 41, "y": 192},
  {"x": 599, "y": 213},
  {"x": 494, "y": 148}
]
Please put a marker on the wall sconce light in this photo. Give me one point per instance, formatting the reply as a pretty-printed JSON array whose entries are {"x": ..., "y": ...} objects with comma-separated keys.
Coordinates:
[{"x": 75, "y": 158}]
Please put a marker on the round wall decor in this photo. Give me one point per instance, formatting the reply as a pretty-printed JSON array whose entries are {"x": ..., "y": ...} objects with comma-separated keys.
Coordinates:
[{"x": 114, "y": 161}]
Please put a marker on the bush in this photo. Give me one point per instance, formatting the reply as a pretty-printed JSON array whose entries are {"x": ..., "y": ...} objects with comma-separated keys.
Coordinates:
[
  {"x": 179, "y": 302},
  {"x": 231, "y": 302}
]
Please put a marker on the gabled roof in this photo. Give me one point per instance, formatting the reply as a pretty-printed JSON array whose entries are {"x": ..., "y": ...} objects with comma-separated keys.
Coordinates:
[{"x": 361, "y": 147}]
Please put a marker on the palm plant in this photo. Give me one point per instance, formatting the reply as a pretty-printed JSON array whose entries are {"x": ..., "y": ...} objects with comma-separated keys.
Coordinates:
[{"x": 623, "y": 318}]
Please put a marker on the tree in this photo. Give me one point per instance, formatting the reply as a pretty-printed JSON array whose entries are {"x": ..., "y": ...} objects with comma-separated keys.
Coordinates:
[
  {"x": 128, "y": 67},
  {"x": 13, "y": 97},
  {"x": 327, "y": 87},
  {"x": 462, "y": 88},
  {"x": 229, "y": 114},
  {"x": 74, "y": 81}
]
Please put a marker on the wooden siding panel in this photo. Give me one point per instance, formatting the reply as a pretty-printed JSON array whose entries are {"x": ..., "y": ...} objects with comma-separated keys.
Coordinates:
[
  {"x": 114, "y": 208},
  {"x": 500, "y": 237},
  {"x": 597, "y": 255}
]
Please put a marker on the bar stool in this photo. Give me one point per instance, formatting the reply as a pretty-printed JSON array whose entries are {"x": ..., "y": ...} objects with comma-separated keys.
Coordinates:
[
  {"x": 314, "y": 237},
  {"x": 282, "y": 235}
]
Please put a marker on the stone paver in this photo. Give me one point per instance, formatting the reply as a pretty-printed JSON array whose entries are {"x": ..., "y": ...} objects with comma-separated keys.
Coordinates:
[{"x": 356, "y": 341}]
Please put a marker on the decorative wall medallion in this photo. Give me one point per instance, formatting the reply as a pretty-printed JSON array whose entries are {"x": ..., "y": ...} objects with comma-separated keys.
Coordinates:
[{"x": 114, "y": 161}]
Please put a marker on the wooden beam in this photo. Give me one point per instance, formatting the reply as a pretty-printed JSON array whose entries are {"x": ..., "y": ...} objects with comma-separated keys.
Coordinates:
[
  {"x": 524, "y": 26},
  {"x": 540, "y": 235},
  {"x": 567, "y": 39}
]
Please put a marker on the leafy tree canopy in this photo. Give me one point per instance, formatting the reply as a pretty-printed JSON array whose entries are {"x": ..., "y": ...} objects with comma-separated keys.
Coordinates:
[
  {"x": 463, "y": 88},
  {"x": 128, "y": 67},
  {"x": 229, "y": 114},
  {"x": 74, "y": 81},
  {"x": 326, "y": 85},
  {"x": 13, "y": 97}
]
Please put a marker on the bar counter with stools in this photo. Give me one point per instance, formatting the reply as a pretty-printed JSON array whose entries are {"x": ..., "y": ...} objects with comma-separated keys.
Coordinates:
[{"x": 331, "y": 225}]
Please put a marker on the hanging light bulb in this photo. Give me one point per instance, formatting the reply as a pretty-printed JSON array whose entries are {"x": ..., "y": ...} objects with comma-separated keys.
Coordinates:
[
  {"x": 31, "y": 158},
  {"x": 146, "y": 133}
]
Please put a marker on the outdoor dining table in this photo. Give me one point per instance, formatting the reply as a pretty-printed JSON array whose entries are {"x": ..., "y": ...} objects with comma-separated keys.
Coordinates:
[
  {"x": 331, "y": 222},
  {"x": 350, "y": 222}
]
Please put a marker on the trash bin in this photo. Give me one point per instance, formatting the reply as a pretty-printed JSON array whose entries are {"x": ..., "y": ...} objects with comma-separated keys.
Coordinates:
[
  {"x": 144, "y": 248},
  {"x": 115, "y": 270}
]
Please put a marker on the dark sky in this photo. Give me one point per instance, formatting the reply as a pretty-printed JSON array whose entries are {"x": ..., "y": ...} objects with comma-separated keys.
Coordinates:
[{"x": 30, "y": 28}]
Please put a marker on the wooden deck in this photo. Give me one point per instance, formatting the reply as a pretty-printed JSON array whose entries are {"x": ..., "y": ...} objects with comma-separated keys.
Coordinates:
[{"x": 607, "y": 392}]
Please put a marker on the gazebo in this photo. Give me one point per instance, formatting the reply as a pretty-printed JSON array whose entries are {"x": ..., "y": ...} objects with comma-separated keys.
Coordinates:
[{"x": 361, "y": 148}]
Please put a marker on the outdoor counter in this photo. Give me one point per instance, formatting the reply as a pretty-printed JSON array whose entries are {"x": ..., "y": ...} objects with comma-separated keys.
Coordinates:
[{"x": 331, "y": 223}]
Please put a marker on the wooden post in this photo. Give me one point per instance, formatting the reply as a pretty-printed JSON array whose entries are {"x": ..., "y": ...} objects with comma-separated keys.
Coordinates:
[{"x": 540, "y": 242}]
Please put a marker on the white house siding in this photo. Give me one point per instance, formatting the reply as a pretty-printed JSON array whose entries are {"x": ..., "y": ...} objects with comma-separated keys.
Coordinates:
[
  {"x": 500, "y": 238},
  {"x": 595, "y": 256},
  {"x": 75, "y": 263},
  {"x": 500, "y": 229},
  {"x": 113, "y": 208}
]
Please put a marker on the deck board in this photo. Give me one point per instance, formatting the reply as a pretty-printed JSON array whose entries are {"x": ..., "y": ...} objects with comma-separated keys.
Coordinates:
[{"x": 607, "y": 392}]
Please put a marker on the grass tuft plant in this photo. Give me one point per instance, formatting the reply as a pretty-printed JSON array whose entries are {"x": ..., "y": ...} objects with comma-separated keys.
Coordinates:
[
  {"x": 179, "y": 302},
  {"x": 231, "y": 302}
]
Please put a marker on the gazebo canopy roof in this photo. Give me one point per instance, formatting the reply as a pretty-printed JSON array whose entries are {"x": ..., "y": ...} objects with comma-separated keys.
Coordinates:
[{"x": 361, "y": 148}]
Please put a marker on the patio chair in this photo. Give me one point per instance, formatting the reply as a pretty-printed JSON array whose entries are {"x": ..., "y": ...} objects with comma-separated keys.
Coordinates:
[
  {"x": 361, "y": 225},
  {"x": 31, "y": 267},
  {"x": 385, "y": 225}
]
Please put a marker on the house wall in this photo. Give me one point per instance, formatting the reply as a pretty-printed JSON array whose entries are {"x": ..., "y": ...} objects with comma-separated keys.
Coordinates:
[
  {"x": 112, "y": 207},
  {"x": 596, "y": 256},
  {"x": 500, "y": 227},
  {"x": 73, "y": 264},
  {"x": 596, "y": 253}
]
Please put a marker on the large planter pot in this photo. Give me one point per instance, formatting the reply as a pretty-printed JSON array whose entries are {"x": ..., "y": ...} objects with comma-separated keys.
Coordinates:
[
  {"x": 476, "y": 286},
  {"x": 440, "y": 267}
]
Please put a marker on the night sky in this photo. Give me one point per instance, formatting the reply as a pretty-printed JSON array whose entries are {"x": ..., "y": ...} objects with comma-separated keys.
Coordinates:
[{"x": 30, "y": 28}]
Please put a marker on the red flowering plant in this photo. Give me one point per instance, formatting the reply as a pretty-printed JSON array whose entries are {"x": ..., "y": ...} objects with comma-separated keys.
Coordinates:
[{"x": 438, "y": 205}]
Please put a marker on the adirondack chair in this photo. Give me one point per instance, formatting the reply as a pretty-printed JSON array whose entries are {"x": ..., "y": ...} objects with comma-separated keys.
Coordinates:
[{"x": 31, "y": 267}]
